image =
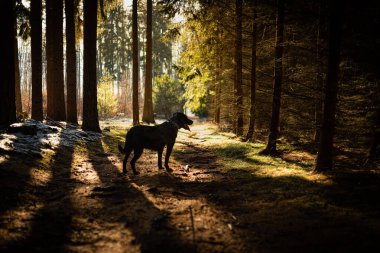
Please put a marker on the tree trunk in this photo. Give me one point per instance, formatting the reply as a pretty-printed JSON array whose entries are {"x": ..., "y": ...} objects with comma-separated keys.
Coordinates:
[
  {"x": 217, "y": 88},
  {"x": 218, "y": 83},
  {"x": 319, "y": 82},
  {"x": 36, "y": 53},
  {"x": 325, "y": 149},
  {"x": 135, "y": 67},
  {"x": 79, "y": 86},
  {"x": 54, "y": 58},
  {"x": 17, "y": 80},
  {"x": 252, "y": 108},
  {"x": 148, "y": 116},
  {"x": 7, "y": 63},
  {"x": 375, "y": 142},
  {"x": 90, "y": 110},
  {"x": 71, "y": 85},
  {"x": 271, "y": 148},
  {"x": 239, "y": 69}
]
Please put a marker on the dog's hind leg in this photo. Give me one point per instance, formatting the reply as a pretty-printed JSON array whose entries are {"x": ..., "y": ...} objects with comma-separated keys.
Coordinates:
[
  {"x": 137, "y": 153},
  {"x": 128, "y": 151}
]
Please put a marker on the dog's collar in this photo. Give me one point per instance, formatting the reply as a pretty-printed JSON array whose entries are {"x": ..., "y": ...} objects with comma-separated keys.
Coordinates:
[{"x": 174, "y": 124}]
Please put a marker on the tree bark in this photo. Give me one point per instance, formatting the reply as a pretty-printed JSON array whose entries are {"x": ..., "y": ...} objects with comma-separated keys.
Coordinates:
[
  {"x": 17, "y": 80},
  {"x": 375, "y": 141},
  {"x": 36, "y": 52},
  {"x": 71, "y": 84},
  {"x": 56, "y": 109},
  {"x": 7, "y": 63},
  {"x": 90, "y": 110},
  {"x": 148, "y": 115},
  {"x": 271, "y": 148},
  {"x": 217, "y": 88},
  {"x": 319, "y": 82},
  {"x": 325, "y": 149},
  {"x": 252, "y": 108},
  {"x": 218, "y": 83},
  {"x": 239, "y": 70},
  {"x": 135, "y": 67}
]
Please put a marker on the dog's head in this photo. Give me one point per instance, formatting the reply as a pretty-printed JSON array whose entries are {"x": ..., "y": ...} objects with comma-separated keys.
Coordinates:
[{"x": 182, "y": 120}]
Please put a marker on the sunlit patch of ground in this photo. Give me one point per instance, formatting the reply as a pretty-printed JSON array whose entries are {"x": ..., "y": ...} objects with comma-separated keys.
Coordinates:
[{"x": 223, "y": 196}]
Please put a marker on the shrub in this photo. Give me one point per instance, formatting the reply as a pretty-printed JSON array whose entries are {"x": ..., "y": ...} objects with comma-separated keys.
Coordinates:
[
  {"x": 107, "y": 101},
  {"x": 167, "y": 95}
]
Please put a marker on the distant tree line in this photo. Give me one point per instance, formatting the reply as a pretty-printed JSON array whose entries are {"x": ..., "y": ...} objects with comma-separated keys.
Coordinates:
[
  {"x": 61, "y": 77},
  {"x": 304, "y": 71},
  {"x": 300, "y": 70}
]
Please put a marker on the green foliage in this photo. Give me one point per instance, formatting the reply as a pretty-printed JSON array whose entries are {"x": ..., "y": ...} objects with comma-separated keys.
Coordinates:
[
  {"x": 167, "y": 95},
  {"x": 113, "y": 41},
  {"x": 197, "y": 95},
  {"x": 107, "y": 101},
  {"x": 197, "y": 65}
]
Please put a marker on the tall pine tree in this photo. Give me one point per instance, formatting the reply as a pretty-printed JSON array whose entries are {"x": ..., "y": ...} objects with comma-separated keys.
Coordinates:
[
  {"x": 71, "y": 81},
  {"x": 148, "y": 116},
  {"x": 36, "y": 49},
  {"x": 90, "y": 110},
  {"x": 7, "y": 63},
  {"x": 56, "y": 109},
  {"x": 271, "y": 147}
]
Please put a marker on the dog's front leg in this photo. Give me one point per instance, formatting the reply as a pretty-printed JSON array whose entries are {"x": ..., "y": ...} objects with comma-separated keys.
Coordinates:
[
  {"x": 159, "y": 155},
  {"x": 169, "y": 149}
]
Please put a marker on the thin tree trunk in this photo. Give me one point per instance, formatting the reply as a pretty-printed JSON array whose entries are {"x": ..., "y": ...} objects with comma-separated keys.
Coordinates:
[
  {"x": 56, "y": 109},
  {"x": 325, "y": 149},
  {"x": 218, "y": 83},
  {"x": 135, "y": 67},
  {"x": 239, "y": 70},
  {"x": 71, "y": 84},
  {"x": 90, "y": 110},
  {"x": 217, "y": 89},
  {"x": 318, "y": 100},
  {"x": 252, "y": 109},
  {"x": 17, "y": 80},
  {"x": 79, "y": 91},
  {"x": 277, "y": 82},
  {"x": 148, "y": 116},
  {"x": 375, "y": 141},
  {"x": 7, "y": 63}
]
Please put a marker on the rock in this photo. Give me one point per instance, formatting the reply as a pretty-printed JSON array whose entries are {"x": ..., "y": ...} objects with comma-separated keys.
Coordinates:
[
  {"x": 83, "y": 134},
  {"x": 103, "y": 154},
  {"x": 61, "y": 125},
  {"x": 187, "y": 168},
  {"x": 71, "y": 126},
  {"x": 24, "y": 129},
  {"x": 52, "y": 129},
  {"x": 159, "y": 220},
  {"x": 47, "y": 145},
  {"x": 104, "y": 189},
  {"x": 36, "y": 154},
  {"x": 107, "y": 129},
  {"x": 153, "y": 190}
]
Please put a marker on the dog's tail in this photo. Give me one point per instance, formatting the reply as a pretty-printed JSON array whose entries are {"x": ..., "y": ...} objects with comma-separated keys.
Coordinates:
[{"x": 121, "y": 149}]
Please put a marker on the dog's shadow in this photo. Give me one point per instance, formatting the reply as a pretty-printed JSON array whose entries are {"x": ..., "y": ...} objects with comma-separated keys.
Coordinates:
[{"x": 149, "y": 225}]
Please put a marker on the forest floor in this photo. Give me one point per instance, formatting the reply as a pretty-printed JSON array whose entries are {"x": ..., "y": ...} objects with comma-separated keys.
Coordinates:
[{"x": 70, "y": 196}]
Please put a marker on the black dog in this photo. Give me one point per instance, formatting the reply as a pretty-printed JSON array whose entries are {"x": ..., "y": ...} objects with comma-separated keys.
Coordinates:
[{"x": 154, "y": 138}]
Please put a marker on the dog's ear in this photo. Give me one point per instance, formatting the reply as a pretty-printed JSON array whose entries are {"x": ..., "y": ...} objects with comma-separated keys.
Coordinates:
[{"x": 175, "y": 114}]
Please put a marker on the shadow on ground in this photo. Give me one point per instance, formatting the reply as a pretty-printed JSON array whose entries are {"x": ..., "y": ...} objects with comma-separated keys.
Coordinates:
[{"x": 90, "y": 206}]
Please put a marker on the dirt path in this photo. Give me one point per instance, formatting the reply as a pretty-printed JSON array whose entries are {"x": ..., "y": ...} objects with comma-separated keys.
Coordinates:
[{"x": 75, "y": 199}]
